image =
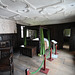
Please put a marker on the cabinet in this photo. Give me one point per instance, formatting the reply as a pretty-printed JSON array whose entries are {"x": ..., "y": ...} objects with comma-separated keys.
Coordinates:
[{"x": 28, "y": 50}]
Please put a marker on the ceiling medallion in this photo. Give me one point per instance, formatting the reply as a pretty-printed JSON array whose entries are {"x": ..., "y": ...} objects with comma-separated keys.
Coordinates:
[{"x": 23, "y": 11}]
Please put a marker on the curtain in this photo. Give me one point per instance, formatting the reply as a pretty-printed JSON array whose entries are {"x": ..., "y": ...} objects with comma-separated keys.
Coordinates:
[{"x": 42, "y": 50}]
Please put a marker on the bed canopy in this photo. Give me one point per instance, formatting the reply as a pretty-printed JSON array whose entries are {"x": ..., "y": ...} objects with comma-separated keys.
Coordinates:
[{"x": 40, "y": 34}]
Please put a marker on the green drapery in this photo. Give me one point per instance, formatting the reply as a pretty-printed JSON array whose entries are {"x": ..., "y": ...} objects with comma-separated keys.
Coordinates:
[
  {"x": 42, "y": 50},
  {"x": 25, "y": 31},
  {"x": 48, "y": 33}
]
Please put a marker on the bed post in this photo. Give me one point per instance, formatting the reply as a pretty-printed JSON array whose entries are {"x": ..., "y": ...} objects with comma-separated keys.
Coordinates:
[
  {"x": 39, "y": 40},
  {"x": 25, "y": 36}
]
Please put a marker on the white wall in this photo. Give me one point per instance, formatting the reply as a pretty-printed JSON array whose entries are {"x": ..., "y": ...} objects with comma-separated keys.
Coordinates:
[{"x": 7, "y": 26}]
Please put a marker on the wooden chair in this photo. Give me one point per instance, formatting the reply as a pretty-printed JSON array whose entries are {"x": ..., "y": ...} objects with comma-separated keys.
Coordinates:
[{"x": 6, "y": 60}]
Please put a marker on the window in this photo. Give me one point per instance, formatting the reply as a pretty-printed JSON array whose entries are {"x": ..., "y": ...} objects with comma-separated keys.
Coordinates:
[
  {"x": 22, "y": 31},
  {"x": 27, "y": 34},
  {"x": 0, "y": 38},
  {"x": 67, "y": 32}
]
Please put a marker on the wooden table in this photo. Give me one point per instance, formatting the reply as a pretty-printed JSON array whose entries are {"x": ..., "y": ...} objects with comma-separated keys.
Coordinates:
[{"x": 28, "y": 50}]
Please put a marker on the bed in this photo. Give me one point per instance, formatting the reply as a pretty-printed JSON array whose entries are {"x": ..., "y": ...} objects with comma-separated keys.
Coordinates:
[
  {"x": 46, "y": 42},
  {"x": 40, "y": 32}
]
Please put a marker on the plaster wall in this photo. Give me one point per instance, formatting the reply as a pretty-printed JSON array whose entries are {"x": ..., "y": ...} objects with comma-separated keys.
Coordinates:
[{"x": 7, "y": 26}]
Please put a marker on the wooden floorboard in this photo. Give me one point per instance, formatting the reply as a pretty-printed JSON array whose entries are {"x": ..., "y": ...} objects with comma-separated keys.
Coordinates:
[{"x": 63, "y": 65}]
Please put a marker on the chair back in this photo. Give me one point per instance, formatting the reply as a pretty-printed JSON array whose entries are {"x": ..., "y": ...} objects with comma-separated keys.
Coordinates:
[
  {"x": 5, "y": 54},
  {"x": 5, "y": 51}
]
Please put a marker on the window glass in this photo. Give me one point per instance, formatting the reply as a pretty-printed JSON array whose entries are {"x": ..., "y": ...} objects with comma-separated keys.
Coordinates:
[
  {"x": 67, "y": 32},
  {"x": 22, "y": 31}
]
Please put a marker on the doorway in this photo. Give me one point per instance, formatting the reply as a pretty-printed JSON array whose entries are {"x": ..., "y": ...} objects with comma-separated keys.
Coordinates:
[{"x": 66, "y": 36}]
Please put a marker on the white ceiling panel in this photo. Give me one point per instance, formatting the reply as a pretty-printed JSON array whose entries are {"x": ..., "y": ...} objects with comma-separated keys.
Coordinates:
[
  {"x": 6, "y": 13},
  {"x": 15, "y": 5},
  {"x": 32, "y": 13},
  {"x": 38, "y": 12},
  {"x": 42, "y": 3},
  {"x": 52, "y": 10}
]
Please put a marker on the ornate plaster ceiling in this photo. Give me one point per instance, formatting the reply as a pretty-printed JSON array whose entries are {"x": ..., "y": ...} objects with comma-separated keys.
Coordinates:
[{"x": 38, "y": 12}]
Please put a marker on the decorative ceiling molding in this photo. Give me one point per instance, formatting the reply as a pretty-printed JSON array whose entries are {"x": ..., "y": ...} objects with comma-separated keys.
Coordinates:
[
  {"x": 17, "y": 5},
  {"x": 52, "y": 11},
  {"x": 61, "y": 10},
  {"x": 37, "y": 11},
  {"x": 23, "y": 11},
  {"x": 5, "y": 13},
  {"x": 42, "y": 6},
  {"x": 21, "y": 22},
  {"x": 41, "y": 10},
  {"x": 17, "y": 13},
  {"x": 2, "y": 5},
  {"x": 2, "y": 17},
  {"x": 51, "y": 5},
  {"x": 13, "y": 16}
]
